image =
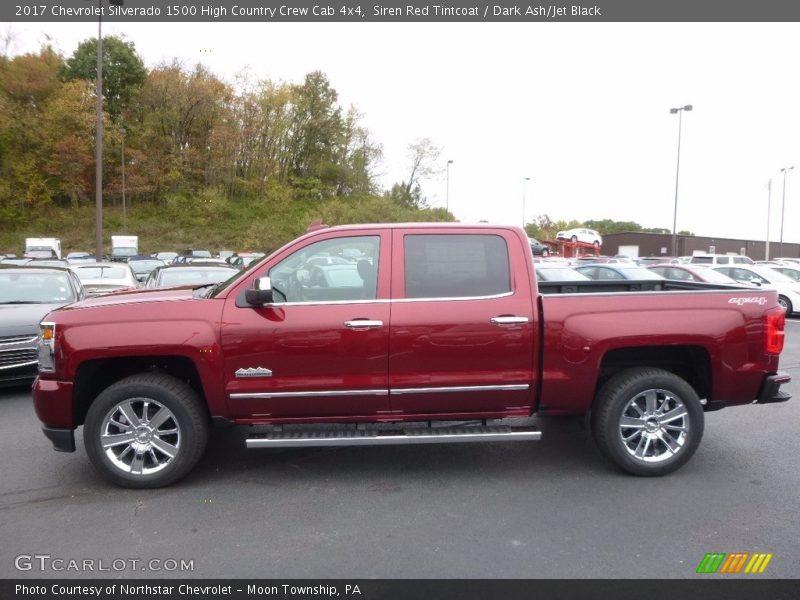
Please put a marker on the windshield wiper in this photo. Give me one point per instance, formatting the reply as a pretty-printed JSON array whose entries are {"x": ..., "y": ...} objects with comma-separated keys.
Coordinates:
[{"x": 24, "y": 302}]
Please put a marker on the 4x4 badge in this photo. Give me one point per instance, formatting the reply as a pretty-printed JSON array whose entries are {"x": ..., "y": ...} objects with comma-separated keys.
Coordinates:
[{"x": 254, "y": 372}]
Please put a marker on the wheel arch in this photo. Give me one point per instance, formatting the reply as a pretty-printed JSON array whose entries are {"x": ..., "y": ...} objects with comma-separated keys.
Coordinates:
[
  {"x": 94, "y": 376},
  {"x": 690, "y": 363}
]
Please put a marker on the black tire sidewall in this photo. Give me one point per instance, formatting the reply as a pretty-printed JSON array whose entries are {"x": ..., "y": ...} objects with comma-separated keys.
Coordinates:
[
  {"x": 616, "y": 394},
  {"x": 173, "y": 394},
  {"x": 789, "y": 307}
]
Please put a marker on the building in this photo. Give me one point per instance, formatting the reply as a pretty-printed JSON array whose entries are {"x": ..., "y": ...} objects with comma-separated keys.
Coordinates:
[{"x": 639, "y": 244}]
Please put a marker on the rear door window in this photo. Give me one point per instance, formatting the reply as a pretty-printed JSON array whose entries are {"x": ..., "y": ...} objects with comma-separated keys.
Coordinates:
[{"x": 456, "y": 266}]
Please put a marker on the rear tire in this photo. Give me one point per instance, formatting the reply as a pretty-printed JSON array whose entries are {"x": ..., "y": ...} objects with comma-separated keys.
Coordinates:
[
  {"x": 647, "y": 421},
  {"x": 545, "y": 253},
  {"x": 146, "y": 431}
]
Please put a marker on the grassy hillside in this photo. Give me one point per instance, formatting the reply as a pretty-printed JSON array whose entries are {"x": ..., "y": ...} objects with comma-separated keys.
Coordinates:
[{"x": 204, "y": 220}]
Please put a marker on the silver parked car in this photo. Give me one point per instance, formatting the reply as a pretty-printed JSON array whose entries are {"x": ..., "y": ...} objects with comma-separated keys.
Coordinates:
[
  {"x": 27, "y": 294},
  {"x": 189, "y": 274}
]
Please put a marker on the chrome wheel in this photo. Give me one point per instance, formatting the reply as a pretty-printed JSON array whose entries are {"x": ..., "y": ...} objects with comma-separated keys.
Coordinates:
[
  {"x": 654, "y": 425},
  {"x": 140, "y": 436}
]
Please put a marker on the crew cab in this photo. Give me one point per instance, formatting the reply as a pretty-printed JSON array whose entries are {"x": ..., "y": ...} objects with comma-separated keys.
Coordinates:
[{"x": 428, "y": 333}]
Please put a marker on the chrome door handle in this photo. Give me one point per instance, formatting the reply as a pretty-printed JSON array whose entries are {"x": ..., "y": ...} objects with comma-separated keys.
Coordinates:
[
  {"x": 508, "y": 320},
  {"x": 362, "y": 324}
]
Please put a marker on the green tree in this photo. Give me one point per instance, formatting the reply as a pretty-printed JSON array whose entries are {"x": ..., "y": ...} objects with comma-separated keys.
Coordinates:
[{"x": 123, "y": 70}]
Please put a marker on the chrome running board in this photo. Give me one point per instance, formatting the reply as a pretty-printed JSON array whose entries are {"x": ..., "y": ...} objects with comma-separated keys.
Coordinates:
[{"x": 421, "y": 435}]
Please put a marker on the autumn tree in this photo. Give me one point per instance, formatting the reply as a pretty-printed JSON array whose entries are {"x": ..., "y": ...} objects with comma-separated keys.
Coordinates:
[{"x": 423, "y": 159}]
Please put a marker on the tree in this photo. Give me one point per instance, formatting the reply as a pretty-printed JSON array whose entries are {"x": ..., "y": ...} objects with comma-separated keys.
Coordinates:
[
  {"x": 423, "y": 156},
  {"x": 123, "y": 70}
]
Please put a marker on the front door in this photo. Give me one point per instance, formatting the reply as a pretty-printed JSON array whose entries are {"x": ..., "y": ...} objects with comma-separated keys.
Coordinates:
[{"x": 321, "y": 349}]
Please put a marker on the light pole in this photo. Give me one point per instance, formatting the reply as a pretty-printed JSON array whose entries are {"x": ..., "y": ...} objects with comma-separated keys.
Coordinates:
[
  {"x": 524, "y": 184},
  {"x": 447, "y": 193},
  {"x": 784, "y": 170},
  {"x": 769, "y": 205},
  {"x": 98, "y": 143},
  {"x": 124, "y": 210},
  {"x": 680, "y": 111}
]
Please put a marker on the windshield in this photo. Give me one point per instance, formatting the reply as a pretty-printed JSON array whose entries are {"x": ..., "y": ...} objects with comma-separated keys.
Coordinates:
[
  {"x": 86, "y": 273},
  {"x": 772, "y": 276},
  {"x": 124, "y": 252},
  {"x": 35, "y": 288},
  {"x": 183, "y": 276},
  {"x": 712, "y": 276},
  {"x": 560, "y": 274},
  {"x": 638, "y": 273},
  {"x": 144, "y": 266}
]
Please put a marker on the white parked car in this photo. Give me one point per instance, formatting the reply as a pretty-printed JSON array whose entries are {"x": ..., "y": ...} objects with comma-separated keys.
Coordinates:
[
  {"x": 721, "y": 259},
  {"x": 587, "y": 236},
  {"x": 788, "y": 289},
  {"x": 104, "y": 277}
]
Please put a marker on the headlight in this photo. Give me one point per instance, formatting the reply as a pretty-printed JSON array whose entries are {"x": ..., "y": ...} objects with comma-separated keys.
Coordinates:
[{"x": 46, "y": 346}]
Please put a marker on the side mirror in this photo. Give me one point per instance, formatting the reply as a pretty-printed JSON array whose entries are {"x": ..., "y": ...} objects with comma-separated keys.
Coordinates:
[
  {"x": 756, "y": 282},
  {"x": 260, "y": 293}
]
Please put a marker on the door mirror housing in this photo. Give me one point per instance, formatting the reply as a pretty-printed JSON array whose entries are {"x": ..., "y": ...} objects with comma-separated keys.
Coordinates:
[{"x": 260, "y": 293}]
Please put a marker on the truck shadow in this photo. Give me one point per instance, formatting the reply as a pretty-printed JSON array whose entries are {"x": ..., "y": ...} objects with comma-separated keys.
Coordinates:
[{"x": 566, "y": 448}]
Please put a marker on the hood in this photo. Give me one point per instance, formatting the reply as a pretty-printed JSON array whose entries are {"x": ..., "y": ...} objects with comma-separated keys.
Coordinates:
[
  {"x": 22, "y": 319},
  {"x": 135, "y": 297}
]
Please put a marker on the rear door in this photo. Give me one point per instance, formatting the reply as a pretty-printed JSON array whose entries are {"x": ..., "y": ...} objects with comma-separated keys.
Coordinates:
[{"x": 462, "y": 334}]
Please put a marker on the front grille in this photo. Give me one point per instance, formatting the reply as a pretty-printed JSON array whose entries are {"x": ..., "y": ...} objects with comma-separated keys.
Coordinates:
[
  {"x": 17, "y": 339},
  {"x": 17, "y": 358}
]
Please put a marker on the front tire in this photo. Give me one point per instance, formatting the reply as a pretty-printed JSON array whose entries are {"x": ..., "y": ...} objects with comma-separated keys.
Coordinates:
[
  {"x": 786, "y": 304},
  {"x": 146, "y": 431},
  {"x": 647, "y": 421}
]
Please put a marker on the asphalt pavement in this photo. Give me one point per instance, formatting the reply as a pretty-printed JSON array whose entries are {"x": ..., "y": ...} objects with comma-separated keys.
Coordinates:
[{"x": 552, "y": 508}]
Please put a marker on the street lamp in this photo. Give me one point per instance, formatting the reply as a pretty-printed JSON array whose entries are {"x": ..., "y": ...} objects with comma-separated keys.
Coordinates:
[
  {"x": 769, "y": 206},
  {"x": 447, "y": 194},
  {"x": 784, "y": 170},
  {"x": 98, "y": 150},
  {"x": 524, "y": 183},
  {"x": 680, "y": 111},
  {"x": 124, "y": 211}
]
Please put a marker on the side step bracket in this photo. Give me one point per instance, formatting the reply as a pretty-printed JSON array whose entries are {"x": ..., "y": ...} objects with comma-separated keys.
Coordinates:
[{"x": 421, "y": 435}]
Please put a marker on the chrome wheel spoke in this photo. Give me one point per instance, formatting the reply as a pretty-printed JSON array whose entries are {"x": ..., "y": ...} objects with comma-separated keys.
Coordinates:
[
  {"x": 641, "y": 447},
  {"x": 126, "y": 408},
  {"x": 675, "y": 413},
  {"x": 137, "y": 464},
  {"x": 631, "y": 436},
  {"x": 631, "y": 422},
  {"x": 670, "y": 427},
  {"x": 668, "y": 441},
  {"x": 161, "y": 417},
  {"x": 119, "y": 425},
  {"x": 109, "y": 441},
  {"x": 650, "y": 401},
  {"x": 164, "y": 447}
]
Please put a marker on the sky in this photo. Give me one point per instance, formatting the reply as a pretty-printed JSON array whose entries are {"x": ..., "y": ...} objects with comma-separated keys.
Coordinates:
[{"x": 582, "y": 109}]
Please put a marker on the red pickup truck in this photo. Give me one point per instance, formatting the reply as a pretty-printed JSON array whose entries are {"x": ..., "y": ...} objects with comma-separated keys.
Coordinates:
[{"x": 393, "y": 334}]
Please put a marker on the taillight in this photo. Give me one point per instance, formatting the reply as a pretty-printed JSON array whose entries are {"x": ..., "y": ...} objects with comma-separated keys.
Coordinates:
[{"x": 773, "y": 335}]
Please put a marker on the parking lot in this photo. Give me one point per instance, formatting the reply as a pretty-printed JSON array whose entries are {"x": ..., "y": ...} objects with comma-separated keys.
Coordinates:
[{"x": 552, "y": 508}]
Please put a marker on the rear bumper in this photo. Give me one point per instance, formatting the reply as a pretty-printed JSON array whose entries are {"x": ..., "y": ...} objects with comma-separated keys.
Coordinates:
[{"x": 770, "y": 390}]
